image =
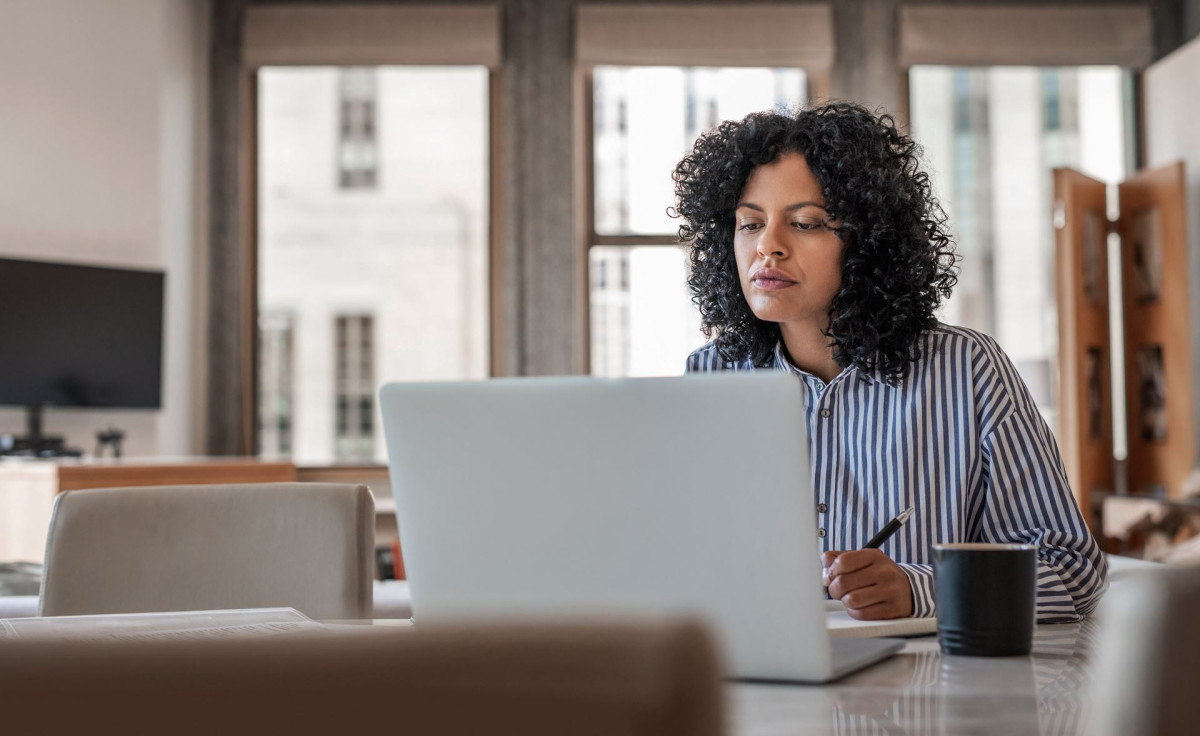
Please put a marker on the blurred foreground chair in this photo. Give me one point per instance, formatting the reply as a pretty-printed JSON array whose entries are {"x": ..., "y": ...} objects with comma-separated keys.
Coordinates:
[
  {"x": 646, "y": 678},
  {"x": 1147, "y": 659},
  {"x": 184, "y": 548}
]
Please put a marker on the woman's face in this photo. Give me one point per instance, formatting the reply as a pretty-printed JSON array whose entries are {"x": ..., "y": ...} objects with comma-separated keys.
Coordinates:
[{"x": 788, "y": 259}]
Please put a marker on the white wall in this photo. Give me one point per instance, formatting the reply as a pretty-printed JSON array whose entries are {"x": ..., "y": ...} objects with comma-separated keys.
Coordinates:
[
  {"x": 1172, "y": 107},
  {"x": 102, "y": 162}
]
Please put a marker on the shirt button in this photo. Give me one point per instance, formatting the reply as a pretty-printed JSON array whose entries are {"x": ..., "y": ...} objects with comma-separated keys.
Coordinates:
[
  {"x": 820, "y": 532},
  {"x": 825, "y": 413},
  {"x": 822, "y": 508}
]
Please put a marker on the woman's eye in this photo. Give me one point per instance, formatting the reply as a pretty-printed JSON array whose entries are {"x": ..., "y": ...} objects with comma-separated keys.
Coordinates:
[
  {"x": 801, "y": 224},
  {"x": 750, "y": 226}
]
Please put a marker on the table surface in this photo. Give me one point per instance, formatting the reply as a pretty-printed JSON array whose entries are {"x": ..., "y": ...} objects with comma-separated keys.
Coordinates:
[{"x": 919, "y": 691}]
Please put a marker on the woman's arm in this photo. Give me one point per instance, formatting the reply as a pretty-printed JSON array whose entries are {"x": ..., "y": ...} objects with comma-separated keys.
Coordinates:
[
  {"x": 1024, "y": 496},
  {"x": 1027, "y": 500}
]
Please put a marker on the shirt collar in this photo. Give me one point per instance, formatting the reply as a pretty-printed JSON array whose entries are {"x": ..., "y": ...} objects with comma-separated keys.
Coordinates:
[{"x": 875, "y": 376}]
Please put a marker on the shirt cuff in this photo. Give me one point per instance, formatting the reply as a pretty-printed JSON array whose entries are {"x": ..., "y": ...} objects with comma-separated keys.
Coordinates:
[{"x": 920, "y": 577}]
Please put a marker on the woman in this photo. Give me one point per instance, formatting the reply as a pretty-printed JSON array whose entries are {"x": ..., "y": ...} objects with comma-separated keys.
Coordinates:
[{"x": 817, "y": 247}]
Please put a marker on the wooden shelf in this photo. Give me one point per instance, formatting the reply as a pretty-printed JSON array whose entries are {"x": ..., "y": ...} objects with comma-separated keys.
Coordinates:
[{"x": 190, "y": 471}]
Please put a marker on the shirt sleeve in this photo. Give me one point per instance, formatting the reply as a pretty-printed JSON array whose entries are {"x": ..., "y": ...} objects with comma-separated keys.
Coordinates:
[
  {"x": 706, "y": 359},
  {"x": 920, "y": 577},
  {"x": 1027, "y": 499}
]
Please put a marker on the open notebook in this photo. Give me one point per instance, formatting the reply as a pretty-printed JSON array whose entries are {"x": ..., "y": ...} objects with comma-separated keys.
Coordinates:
[
  {"x": 841, "y": 625},
  {"x": 174, "y": 625}
]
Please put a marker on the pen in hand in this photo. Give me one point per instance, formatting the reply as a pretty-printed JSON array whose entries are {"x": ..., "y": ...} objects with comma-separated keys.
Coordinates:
[
  {"x": 889, "y": 529},
  {"x": 884, "y": 534}
]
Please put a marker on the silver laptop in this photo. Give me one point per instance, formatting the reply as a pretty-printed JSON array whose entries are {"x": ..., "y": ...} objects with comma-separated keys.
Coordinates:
[{"x": 535, "y": 496}]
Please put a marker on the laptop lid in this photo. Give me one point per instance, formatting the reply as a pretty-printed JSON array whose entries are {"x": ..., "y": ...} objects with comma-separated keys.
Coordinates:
[{"x": 583, "y": 495}]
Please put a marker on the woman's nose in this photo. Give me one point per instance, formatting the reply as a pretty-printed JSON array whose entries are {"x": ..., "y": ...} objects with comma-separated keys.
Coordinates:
[{"x": 772, "y": 242}]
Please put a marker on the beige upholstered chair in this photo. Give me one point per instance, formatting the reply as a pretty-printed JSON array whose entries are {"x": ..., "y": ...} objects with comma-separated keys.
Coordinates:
[
  {"x": 1147, "y": 659},
  {"x": 649, "y": 678},
  {"x": 180, "y": 548}
]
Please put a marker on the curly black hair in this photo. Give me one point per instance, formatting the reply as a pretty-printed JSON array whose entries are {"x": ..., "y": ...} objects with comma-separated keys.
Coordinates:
[{"x": 898, "y": 259}]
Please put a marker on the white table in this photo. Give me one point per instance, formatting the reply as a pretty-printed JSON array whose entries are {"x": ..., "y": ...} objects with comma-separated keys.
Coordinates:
[{"x": 919, "y": 691}]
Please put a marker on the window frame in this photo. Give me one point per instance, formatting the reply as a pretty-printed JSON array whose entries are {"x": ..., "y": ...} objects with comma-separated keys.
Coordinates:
[
  {"x": 816, "y": 87},
  {"x": 294, "y": 53},
  {"x": 656, "y": 34}
]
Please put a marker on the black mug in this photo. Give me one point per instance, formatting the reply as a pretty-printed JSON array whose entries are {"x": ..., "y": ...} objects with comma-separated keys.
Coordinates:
[{"x": 985, "y": 598}]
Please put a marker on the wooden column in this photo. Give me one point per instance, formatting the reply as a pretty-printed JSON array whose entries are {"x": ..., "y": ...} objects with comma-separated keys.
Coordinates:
[
  {"x": 536, "y": 201},
  {"x": 230, "y": 286},
  {"x": 865, "y": 65}
]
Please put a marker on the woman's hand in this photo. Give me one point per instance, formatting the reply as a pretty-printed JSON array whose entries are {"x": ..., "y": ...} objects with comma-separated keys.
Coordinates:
[{"x": 868, "y": 584}]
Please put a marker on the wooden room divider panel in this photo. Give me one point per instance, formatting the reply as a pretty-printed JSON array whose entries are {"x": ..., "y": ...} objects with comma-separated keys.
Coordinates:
[
  {"x": 1084, "y": 344},
  {"x": 1158, "y": 355},
  {"x": 1159, "y": 395}
]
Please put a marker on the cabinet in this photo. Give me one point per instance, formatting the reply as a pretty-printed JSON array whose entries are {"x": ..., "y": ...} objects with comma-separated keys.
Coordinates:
[{"x": 28, "y": 488}]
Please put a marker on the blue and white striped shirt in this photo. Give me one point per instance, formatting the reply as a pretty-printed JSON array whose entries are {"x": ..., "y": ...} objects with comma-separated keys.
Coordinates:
[{"x": 959, "y": 438}]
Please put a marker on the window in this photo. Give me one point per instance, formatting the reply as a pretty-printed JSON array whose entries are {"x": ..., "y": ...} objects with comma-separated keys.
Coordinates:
[
  {"x": 357, "y": 159},
  {"x": 373, "y": 237},
  {"x": 355, "y": 380},
  {"x": 992, "y": 136},
  {"x": 276, "y": 360},
  {"x": 644, "y": 119}
]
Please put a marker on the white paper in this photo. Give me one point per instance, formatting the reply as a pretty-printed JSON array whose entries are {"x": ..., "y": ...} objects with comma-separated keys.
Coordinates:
[
  {"x": 840, "y": 624},
  {"x": 247, "y": 622}
]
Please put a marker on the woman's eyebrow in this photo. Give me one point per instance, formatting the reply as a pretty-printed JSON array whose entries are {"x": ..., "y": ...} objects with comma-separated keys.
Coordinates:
[
  {"x": 799, "y": 205},
  {"x": 789, "y": 208}
]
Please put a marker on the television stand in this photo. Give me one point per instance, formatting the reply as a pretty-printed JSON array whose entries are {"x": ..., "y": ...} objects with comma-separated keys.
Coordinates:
[{"x": 34, "y": 443}]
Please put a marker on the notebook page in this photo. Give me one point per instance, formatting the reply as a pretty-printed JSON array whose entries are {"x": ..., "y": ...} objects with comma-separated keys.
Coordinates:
[
  {"x": 840, "y": 624},
  {"x": 252, "y": 622}
]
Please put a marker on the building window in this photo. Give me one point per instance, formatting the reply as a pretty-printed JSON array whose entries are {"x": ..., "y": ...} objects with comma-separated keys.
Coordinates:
[
  {"x": 411, "y": 259},
  {"x": 354, "y": 377},
  {"x": 644, "y": 120},
  {"x": 276, "y": 366},
  {"x": 992, "y": 137},
  {"x": 358, "y": 159},
  {"x": 610, "y": 310},
  {"x": 1052, "y": 99}
]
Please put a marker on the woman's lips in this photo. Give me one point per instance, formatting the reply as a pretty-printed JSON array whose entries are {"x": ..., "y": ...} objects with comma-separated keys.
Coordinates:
[
  {"x": 770, "y": 279},
  {"x": 773, "y": 284}
]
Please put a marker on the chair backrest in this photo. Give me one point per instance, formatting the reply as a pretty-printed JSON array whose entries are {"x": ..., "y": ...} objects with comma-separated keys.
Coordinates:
[
  {"x": 180, "y": 548},
  {"x": 659, "y": 678},
  {"x": 1147, "y": 660}
]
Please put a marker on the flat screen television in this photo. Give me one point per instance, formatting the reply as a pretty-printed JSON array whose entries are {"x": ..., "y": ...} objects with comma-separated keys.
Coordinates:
[{"x": 79, "y": 336}]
